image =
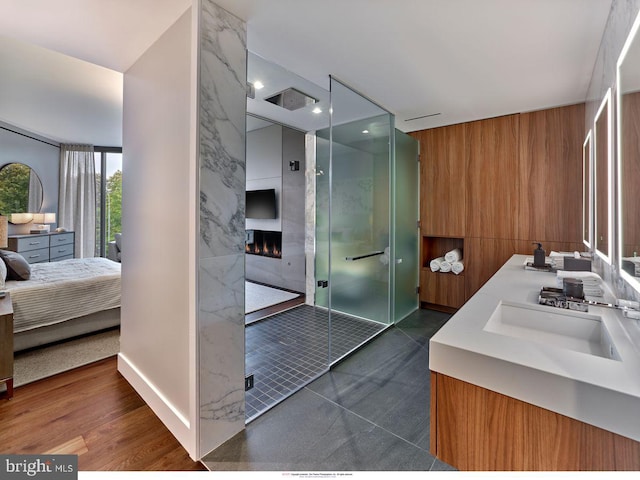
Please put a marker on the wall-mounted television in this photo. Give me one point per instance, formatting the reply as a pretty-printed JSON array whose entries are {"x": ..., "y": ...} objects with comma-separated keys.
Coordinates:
[{"x": 261, "y": 204}]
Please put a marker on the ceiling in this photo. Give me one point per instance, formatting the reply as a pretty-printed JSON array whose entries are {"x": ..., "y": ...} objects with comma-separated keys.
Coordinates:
[{"x": 460, "y": 59}]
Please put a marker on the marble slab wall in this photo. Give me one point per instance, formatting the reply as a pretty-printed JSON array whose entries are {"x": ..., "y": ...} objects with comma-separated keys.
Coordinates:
[
  {"x": 221, "y": 143},
  {"x": 621, "y": 17}
]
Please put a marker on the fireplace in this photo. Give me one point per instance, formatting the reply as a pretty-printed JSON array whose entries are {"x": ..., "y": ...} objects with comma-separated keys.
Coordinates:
[{"x": 263, "y": 243}]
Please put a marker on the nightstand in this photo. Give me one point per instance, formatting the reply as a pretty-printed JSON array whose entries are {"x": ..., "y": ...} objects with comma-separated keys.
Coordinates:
[{"x": 6, "y": 345}]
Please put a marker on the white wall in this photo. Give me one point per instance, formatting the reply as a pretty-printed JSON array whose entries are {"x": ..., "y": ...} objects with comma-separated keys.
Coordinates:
[{"x": 158, "y": 243}]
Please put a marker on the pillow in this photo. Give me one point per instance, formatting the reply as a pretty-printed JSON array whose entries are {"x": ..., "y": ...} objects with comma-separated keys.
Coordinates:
[
  {"x": 17, "y": 267},
  {"x": 118, "y": 239},
  {"x": 3, "y": 273}
]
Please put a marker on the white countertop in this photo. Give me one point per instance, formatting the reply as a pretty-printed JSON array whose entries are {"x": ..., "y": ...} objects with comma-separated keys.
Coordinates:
[{"x": 595, "y": 390}]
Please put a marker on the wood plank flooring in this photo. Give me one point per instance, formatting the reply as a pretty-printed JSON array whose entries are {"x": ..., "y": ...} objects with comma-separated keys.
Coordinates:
[{"x": 93, "y": 412}]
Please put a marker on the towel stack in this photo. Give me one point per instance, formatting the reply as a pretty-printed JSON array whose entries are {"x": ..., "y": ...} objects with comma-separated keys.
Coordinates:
[
  {"x": 591, "y": 282},
  {"x": 451, "y": 262}
]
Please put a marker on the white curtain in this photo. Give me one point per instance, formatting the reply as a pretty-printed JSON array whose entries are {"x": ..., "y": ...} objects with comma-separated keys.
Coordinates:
[{"x": 77, "y": 196}]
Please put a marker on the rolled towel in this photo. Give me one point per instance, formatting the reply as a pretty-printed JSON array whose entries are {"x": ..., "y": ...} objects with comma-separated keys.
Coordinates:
[
  {"x": 453, "y": 255},
  {"x": 445, "y": 266},
  {"x": 457, "y": 267},
  {"x": 434, "y": 264}
]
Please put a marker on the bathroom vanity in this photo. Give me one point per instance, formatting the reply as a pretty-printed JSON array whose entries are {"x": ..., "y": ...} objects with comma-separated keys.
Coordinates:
[{"x": 520, "y": 386}]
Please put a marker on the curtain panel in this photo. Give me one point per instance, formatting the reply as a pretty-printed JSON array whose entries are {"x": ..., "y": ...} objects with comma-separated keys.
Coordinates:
[{"x": 77, "y": 196}]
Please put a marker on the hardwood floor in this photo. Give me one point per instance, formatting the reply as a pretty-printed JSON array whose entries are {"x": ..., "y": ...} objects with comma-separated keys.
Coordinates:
[{"x": 93, "y": 412}]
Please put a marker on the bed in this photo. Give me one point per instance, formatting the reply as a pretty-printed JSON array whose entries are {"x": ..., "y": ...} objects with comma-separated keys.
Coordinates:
[{"x": 64, "y": 299}]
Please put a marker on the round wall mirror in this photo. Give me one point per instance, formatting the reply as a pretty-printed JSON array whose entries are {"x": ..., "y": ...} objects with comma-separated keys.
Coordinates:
[{"x": 20, "y": 189}]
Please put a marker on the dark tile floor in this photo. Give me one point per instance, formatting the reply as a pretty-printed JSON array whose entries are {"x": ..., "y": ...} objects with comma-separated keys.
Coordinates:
[
  {"x": 286, "y": 351},
  {"x": 370, "y": 412}
]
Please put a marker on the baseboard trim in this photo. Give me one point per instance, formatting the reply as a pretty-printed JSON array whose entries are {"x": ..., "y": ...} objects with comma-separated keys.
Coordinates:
[{"x": 168, "y": 414}]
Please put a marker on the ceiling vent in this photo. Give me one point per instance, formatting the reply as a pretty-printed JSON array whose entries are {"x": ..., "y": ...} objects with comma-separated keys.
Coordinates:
[{"x": 291, "y": 99}]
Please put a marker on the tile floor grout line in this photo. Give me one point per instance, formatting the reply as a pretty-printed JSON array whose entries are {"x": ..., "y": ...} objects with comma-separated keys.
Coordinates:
[{"x": 367, "y": 420}]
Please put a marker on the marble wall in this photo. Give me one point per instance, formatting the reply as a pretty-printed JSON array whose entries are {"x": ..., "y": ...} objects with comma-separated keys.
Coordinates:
[
  {"x": 221, "y": 143},
  {"x": 621, "y": 17}
]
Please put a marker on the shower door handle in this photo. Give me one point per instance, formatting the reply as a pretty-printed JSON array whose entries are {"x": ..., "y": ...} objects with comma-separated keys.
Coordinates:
[{"x": 366, "y": 255}]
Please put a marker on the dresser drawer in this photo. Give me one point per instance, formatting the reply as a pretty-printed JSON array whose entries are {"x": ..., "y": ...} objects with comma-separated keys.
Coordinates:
[
  {"x": 26, "y": 243},
  {"x": 60, "y": 251},
  {"x": 61, "y": 239},
  {"x": 36, "y": 256}
]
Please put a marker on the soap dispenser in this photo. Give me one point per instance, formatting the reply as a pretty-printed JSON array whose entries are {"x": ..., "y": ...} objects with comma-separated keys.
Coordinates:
[{"x": 539, "y": 256}]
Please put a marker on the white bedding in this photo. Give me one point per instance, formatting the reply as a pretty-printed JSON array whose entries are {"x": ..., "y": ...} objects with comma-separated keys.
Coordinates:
[{"x": 60, "y": 291}]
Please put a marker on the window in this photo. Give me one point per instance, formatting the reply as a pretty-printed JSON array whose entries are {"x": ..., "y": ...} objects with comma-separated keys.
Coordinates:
[{"x": 108, "y": 196}]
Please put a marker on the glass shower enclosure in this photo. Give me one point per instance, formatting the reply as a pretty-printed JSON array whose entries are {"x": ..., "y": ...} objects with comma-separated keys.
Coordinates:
[
  {"x": 366, "y": 219},
  {"x": 359, "y": 231}
]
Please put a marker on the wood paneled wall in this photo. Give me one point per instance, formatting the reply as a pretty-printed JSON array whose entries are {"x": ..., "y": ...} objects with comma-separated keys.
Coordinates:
[
  {"x": 473, "y": 428},
  {"x": 501, "y": 184},
  {"x": 443, "y": 183},
  {"x": 491, "y": 174},
  {"x": 630, "y": 174}
]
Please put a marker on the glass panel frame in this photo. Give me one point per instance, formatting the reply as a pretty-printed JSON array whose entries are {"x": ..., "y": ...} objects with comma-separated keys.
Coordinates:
[{"x": 405, "y": 234}]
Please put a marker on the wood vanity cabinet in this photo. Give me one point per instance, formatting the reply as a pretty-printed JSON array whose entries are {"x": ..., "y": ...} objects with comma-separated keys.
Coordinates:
[{"x": 473, "y": 428}]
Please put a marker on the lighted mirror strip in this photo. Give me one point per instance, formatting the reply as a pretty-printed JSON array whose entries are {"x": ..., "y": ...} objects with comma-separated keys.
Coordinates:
[
  {"x": 587, "y": 191},
  {"x": 603, "y": 246},
  {"x": 628, "y": 95}
]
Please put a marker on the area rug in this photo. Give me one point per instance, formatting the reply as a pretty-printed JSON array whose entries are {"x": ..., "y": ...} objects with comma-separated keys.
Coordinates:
[
  {"x": 40, "y": 363},
  {"x": 258, "y": 297}
]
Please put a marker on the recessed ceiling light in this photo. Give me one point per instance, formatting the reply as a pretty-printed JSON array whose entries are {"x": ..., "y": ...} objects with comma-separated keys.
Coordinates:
[
  {"x": 258, "y": 85},
  {"x": 317, "y": 110},
  {"x": 365, "y": 131}
]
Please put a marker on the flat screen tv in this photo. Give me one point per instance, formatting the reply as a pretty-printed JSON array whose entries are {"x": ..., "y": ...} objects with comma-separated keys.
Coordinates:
[{"x": 261, "y": 204}]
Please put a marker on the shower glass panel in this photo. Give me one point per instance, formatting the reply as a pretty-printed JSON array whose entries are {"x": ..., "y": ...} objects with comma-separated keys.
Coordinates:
[
  {"x": 405, "y": 231},
  {"x": 359, "y": 201}
]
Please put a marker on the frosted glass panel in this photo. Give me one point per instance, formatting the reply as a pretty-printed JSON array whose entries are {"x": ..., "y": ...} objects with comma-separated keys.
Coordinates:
[
  {"x": 406, "y": 201},
  {"x": 360, "y": 221}
]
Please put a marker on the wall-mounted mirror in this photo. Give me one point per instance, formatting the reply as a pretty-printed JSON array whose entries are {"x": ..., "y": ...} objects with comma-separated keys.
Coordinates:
[
  {"x": 20, "y": 189},
  {"x": 602, "y": 178},
  {"x": 629, "y": 158},
  {"x": 587, "y": 191}
]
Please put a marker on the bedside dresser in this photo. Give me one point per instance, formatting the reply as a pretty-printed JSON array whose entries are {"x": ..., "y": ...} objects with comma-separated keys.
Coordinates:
[
  {"x": 6, "y": 345},
  {"x": 46, "y": 247}
]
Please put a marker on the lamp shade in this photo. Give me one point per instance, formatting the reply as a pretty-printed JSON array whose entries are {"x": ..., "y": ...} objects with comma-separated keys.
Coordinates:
[
  {"x": 44, "y": 218},
  {"x": 20, "y": 218},
  {"x": 3, "y": 232}
]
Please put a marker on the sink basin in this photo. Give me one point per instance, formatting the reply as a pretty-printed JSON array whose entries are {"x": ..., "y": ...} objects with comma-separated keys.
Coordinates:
[{"x": 580, "y": 332}]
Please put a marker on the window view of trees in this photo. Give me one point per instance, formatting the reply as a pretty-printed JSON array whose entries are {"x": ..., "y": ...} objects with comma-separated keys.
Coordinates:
[
  {"x": 14, "y": 194},
  {"x": 114, "y": 205},
  {"x": 111, "y": 163}
]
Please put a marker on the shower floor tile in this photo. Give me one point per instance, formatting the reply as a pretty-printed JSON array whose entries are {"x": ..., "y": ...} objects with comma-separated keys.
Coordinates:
[{"x": 286, "y": 351}]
